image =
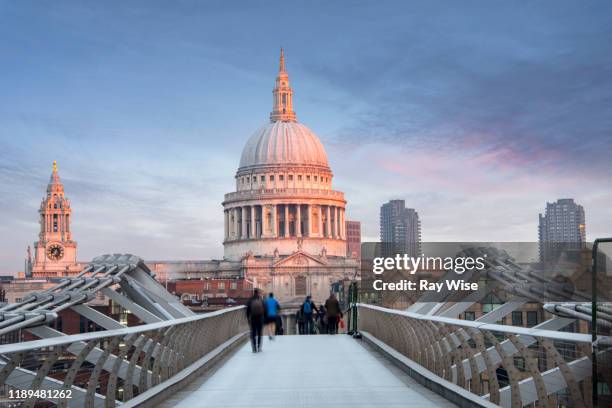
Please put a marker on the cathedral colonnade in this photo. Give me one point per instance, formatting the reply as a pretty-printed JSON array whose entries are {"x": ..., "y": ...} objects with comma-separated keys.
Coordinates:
[{"x": 286, "y": 220}]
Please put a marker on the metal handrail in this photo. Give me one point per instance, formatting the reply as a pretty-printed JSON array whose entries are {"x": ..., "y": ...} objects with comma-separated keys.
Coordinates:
[
  {"x": 69, "y": 339},
  {"x": 470, "y": 353},
  {"x": 135, "y": 358},
  {"x": 547, "y": 334}
]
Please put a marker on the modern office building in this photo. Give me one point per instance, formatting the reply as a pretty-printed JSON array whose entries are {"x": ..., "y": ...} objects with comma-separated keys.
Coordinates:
[
  {"x": 562, "y": 227},
  {"x": 400, "y": 226}
]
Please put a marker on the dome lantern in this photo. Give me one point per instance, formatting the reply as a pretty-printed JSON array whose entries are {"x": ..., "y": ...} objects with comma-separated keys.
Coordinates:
[{"x": 282, "y": 101}]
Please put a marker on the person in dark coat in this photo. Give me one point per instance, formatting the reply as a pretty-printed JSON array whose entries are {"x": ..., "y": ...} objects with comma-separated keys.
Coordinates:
[
  {"x": 255, "y": 312},
  {"x": 322, "y": 318},
  {"x": 334, "y": 314},
  {"x": 299, "y": 319}
]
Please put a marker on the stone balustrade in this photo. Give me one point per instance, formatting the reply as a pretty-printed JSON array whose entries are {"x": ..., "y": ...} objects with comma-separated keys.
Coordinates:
[{"x": 283, "y": 192}]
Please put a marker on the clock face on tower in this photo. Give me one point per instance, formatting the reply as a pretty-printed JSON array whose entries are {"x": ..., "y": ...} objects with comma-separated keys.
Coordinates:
[{"x": 55, "y": 252}]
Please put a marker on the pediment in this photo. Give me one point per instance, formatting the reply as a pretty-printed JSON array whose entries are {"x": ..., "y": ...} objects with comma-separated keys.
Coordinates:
[{"x": 300, "y": 259}]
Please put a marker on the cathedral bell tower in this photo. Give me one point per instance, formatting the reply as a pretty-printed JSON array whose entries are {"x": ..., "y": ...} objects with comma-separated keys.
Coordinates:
[{"x": 55, "y": 251}]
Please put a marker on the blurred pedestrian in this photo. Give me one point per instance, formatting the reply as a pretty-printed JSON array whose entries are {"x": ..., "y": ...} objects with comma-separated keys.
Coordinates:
[
  {"x": 299, "y": 319},
  {"x": 255, "y": 312},
  {"x": 308, "y": 309},
  {"x": 322, "y": 320},
  {"x": 272, "y": 309},
  {"x": 333, "y": 312},
  {"x": 280, "y": 330}
]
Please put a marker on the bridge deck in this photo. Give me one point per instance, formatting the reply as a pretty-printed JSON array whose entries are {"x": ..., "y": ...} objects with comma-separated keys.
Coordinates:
[{"x": 307, "y": 371}]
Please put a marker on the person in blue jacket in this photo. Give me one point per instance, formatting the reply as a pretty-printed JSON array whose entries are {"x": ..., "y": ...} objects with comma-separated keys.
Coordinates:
[
  {"x": 272, "y": 309},
  {"x": 308, "y": 308}
]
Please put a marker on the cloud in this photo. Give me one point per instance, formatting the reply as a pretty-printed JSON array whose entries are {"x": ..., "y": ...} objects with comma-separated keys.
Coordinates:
[{"x": 476, "y": 115}]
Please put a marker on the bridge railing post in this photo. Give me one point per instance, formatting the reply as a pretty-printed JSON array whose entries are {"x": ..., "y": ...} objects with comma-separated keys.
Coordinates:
[{"x": 353, "y": 328}]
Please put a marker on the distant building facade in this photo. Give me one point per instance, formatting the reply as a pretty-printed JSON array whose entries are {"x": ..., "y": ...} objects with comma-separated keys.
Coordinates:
[
  {"x": 211, "y": 294},
  {"x": 55, "y": 251},
  {"x": 400, "y": 226},
  {"x": 353, "y": 239},
  {"x": 561, "y": 227}
]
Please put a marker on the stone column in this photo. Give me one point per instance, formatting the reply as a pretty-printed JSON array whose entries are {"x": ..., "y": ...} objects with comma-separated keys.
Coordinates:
[
  {"x": 286, "y": 220},
  {"x": 230, "y": 214},
  {"x": 236, "y": 223},
  {"x": 339, "y": 223},
  {"x": 226, "y": 224},
  {"x": 336, "y": 222},
  {"x": 320, "y": 220},
  {"x": 243, "y": 213},
  {"x": 342, "y": 224},
  {"x": 253, "y": 223},
  {"x": 274, "y": 220},
  {"x": 298, "y": 220},
  {"x": 229, "y": 224},
  {"x": 266, "y": 220},
  {"x": 327, "y": 221}
]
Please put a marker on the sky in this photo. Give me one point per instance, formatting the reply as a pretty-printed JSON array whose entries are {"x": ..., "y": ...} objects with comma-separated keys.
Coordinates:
[{"x": 475, "y": 113}]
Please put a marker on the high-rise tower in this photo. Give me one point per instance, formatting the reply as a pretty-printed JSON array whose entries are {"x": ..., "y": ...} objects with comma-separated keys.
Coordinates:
[
  {"x": 55, "y": 251},
  {"x": 562, "y": 227},
  {"x": 400, "y": 226}
]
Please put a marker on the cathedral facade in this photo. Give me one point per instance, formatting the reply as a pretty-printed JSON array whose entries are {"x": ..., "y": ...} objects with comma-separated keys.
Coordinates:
[{"x": 285, "y": 223}]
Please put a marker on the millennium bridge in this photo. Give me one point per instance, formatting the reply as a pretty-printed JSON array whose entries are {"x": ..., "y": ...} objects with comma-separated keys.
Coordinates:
[{"x": 423, "y": 356}]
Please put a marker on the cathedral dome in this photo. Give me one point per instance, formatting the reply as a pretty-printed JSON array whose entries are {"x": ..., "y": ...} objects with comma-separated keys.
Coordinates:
[
  {"x": 283, "y": 143},
  {"x": 284, "y": 201}
]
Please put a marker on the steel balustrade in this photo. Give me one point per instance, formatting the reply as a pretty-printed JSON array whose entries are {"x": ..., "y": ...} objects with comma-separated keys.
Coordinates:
[
  {"x": 144, "y": 356},
  {"x": 116, "y": 363},
  {"x": 497, "y": 362}
]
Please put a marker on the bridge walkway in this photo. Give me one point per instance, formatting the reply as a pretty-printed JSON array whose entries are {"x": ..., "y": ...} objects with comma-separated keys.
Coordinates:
[{"x": 306, "y": 371}]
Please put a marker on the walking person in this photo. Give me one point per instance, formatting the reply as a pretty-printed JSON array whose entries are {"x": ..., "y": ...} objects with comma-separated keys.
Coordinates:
[
  {"x": 255, "y": 312},
  {"x": 332, "y": 308},
  {"x": 280, "y": 330},
  {"x": 308, "y": 308},
  {"x": 272, "y": 309},
  {"x": 299, "y": 318},
  {"x": 322, "y": 318}
]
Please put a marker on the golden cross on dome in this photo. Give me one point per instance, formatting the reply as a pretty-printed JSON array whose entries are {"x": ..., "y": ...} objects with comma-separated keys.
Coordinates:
[{"x": 55, "y": 166}]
